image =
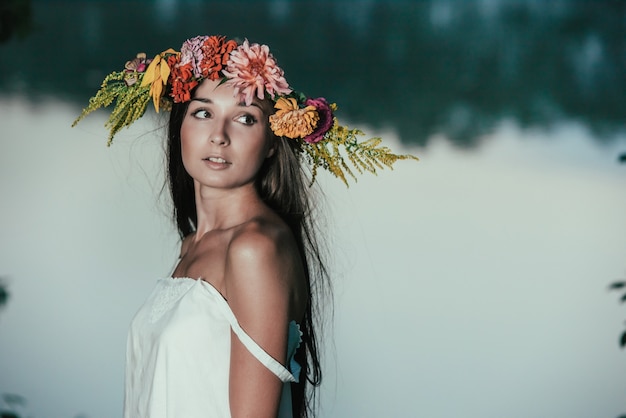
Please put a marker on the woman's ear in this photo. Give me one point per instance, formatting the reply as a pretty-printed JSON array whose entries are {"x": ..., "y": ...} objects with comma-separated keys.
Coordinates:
[
  {"x": 272, "y": 148},
  {"x": 273, "y": 141}
]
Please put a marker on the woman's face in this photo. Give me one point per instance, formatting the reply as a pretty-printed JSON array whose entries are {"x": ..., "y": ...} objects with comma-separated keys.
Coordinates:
[{"x": 223, "y": 141}]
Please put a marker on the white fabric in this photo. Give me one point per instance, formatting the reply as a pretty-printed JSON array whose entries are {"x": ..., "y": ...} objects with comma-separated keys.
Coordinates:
[{"x": 178, "y": 351}]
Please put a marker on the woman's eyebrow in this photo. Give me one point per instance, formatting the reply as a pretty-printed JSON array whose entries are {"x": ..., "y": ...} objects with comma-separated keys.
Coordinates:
[
  {"x": 202, "y": 99},
  {"x": 243, "y": 104}
]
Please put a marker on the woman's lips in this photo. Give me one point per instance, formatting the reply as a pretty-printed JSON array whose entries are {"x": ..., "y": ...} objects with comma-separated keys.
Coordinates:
[{"x": 216, "y": 162}]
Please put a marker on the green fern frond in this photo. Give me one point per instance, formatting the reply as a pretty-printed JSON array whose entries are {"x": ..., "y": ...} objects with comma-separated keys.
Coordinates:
[{"x": 363, "y": 156}]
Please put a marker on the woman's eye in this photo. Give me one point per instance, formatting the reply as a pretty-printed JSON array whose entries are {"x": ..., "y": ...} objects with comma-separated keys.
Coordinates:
[
  {"x": 247, "y": 119},
  {"x": 201, "y": 114}
]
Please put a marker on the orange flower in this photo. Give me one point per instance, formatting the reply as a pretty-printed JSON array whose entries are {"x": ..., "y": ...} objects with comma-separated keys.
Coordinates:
[
  {"x": 292, "y": 121},
  {"x": 215, "y": 53}
]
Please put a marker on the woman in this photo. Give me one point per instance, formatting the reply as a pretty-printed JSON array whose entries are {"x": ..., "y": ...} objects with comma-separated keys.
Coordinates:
[{"x": 232, "y": 331}]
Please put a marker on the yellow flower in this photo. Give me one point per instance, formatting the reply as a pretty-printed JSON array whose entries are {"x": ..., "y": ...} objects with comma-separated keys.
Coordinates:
[
  {"x": 292, "y": 121},
  {"x": 156, "y": 76}
]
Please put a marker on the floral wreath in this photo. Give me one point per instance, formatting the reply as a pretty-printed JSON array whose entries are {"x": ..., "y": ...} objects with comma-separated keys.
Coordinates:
[{"x": 171, "y": 76}]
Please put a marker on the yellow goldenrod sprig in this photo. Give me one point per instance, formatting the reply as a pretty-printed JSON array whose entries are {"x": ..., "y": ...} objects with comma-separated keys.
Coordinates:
[{"x": 130, "y": 102}]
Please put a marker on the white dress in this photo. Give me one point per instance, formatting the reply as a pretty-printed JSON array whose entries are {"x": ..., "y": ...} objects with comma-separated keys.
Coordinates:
[{"x": 178, "y": 354}]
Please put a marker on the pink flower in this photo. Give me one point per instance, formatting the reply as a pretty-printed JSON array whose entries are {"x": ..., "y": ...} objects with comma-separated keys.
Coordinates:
[
  {"x": 132, "y": 68},
  {"x": 191, "y": 53},
  {"x": 252, "y": 69},
  {"x": 326, "y": 119}
]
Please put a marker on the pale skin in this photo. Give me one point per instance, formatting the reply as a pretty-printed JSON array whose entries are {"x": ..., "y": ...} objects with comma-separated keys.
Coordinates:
[{"x": 240, "y": 246}]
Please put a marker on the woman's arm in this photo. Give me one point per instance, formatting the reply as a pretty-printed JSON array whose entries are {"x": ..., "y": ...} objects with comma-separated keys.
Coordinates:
[{"x": 258, "y": 286}]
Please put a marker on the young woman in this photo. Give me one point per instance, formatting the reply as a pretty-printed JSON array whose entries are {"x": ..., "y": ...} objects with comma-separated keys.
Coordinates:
[{"x": 232, "y": 332}]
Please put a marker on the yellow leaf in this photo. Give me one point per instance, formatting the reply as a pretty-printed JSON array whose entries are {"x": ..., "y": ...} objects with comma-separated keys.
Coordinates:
[
  {"x": 155, "y": 91},
  {"x": 165, "y": 72},
  {"x": 156, "y": 76},
  {"x": 150, "y": 73}
]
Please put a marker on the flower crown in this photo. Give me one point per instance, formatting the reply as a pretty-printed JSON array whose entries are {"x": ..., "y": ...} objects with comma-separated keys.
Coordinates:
[{"x": 171, "y": 76}]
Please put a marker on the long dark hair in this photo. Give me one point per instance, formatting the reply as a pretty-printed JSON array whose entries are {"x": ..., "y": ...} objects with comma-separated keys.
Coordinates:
[{"x": 283, "y": 186}]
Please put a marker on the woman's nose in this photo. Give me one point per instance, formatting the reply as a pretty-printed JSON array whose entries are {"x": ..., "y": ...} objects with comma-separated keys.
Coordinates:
[
  {"x": 219, "y": 136},
  {"x": 218, "y": 140}
]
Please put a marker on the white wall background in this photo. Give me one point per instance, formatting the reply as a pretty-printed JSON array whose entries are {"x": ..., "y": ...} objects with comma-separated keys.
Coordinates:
[{"x": 473, "y": 283}]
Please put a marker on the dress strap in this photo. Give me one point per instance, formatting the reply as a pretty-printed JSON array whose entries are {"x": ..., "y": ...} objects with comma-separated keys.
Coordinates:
[{"x": 256, "y": 350}]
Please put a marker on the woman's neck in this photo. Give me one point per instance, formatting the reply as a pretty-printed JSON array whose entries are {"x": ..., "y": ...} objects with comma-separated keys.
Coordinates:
[{"x": 224, "y": 209}]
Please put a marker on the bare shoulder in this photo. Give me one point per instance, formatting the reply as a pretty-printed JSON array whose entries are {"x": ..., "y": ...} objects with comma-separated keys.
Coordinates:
[
  {"x": 264, "y": 269},
  {"x": 264, "y": 244},
  {"x": 261, "y": 235}
]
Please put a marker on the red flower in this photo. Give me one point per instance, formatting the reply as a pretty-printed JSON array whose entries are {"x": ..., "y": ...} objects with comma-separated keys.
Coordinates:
[
  {"x": 173, "y": 60},
  {"x": 215, "y": 54},
  {"x": 326, "y": 119},
  {"x": 182, "y": 82}
]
